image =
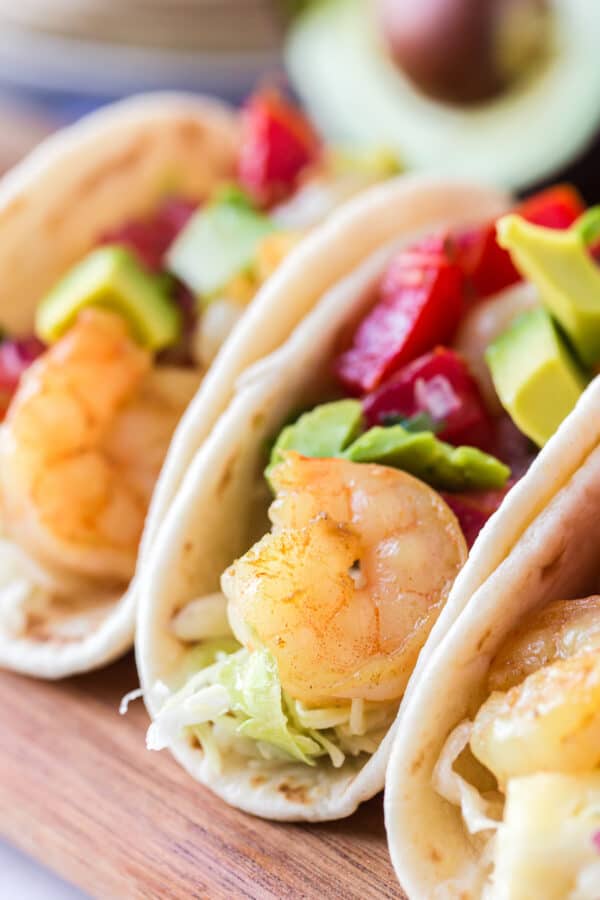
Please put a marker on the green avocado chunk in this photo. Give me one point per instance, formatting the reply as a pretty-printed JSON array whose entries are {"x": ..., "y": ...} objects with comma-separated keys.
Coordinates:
[
  {"x": 537, "y": 380},
  {"x": 323, "y": 432},
  {"x": 334, "y": 429},
  {"x": 559, "y": 265},
  {"x": 218, "y": 243},
  {"x": 422, "y": 454},
  {"x": 111, "y": 277}
]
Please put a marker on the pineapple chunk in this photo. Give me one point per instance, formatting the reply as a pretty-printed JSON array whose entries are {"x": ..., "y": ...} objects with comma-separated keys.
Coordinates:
[{"x": 548, "y": 847}]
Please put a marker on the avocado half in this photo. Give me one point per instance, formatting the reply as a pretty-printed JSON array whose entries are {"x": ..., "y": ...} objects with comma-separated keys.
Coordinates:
[{"x": 357, "y": 95}]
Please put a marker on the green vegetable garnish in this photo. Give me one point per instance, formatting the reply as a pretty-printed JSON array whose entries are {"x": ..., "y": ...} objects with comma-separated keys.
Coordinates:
[
  {"x": 238, "y": 703},
  {"x": 535, "y": 376},
  {"x": 560, "y": 266},
  {"x": 203, "y": 655},
  {"x": 218, "y": 243},
  {"x": 111, "y": 277},
  {"x": 423, "y": 455},
  {"x": 334, "y": 430},
  {"x": 323, "y": 432},
  {"x": 255, "y": 696}
]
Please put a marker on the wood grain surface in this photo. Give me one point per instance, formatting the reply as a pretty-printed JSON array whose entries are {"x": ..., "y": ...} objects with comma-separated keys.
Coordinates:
[{"x": 79, "y": 792}]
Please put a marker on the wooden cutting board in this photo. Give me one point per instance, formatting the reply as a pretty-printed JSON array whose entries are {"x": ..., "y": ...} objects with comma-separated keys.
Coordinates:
[{"x": 79, "y": 792}]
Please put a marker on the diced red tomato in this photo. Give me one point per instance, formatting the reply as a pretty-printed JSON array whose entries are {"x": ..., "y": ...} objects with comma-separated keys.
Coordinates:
[
  {"x": 440, "y": 385},
  {"x": 150, "y": 238},
  {"x": 487, "y": 267},
  {"x": 556, "y": 207},
  {"x": 16, "y": 355},
  {"x": 474, "y": 509},
  {"x": 512, "y": 446},
  {"x": 277, "y": 143},
  {"x": 420, "y": 307},
  {"x": 182, "y": 353}
]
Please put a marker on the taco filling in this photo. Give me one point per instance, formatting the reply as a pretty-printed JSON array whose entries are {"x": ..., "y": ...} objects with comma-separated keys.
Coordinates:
[
  {"x": 532, "y": 754},
  {"x": 379, "y": 491},
  {"x": 91, "y": 399}
]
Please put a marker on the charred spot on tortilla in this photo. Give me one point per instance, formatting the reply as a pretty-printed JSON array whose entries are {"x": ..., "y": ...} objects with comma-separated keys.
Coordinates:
[
  {"x": 298, "y": 793},
  {"x": 39, "y": 630},
  {"x": 227, "y": 474},
  {"x": 16, "y": 205},
  {"x": 357, "y": 575},
  {"x": 257, "y": 781},
  {"x": 417, "y": 762},
  {"x": 435, "y": 855},
  {"x": 116, "y": 165},
  {"x": 189, "y": 132},
  {"x": 195, "y": 743},
  {"x": 550, "y": 568},
  {"x": 482, "y": 640}
]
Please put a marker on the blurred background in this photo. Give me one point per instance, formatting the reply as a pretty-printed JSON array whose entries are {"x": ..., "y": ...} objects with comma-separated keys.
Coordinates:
[
  {"x": 507, "y": 90},
  {"x": 61, "y": 58}
]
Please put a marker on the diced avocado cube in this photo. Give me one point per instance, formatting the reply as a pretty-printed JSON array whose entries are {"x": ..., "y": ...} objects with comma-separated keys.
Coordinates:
[
  {"x": 568, "y": 280},
  {"x": 394, "y": 446},
  {"x": 426, "y": 457},
  {"x": 537, "y": 380},
  {"x": 111, "y": 277},
  {"x": 323, "y": 432},
  {"x": 218, "y": 243},
  {"x": 467, "y": 469}
]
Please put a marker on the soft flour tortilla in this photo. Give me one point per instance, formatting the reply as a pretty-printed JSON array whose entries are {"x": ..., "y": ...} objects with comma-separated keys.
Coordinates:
[
  {"x": 112, "y": 166},
  {"x": 557, "y": 558},
  {"x": 220, "y": 508}
]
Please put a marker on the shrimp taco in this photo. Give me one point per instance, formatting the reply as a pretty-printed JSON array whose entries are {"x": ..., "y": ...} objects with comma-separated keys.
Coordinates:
[
  {"x": 131, "y": 244},
  {"x": 493, "y": 784},
  {"x": 326, "y": 522}
]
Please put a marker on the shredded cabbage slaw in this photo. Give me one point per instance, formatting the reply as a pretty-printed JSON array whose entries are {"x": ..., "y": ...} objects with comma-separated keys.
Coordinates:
[{"x": 235, "y": 701}]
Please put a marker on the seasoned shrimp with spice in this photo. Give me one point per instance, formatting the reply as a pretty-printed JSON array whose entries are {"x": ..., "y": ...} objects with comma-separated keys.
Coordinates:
[
  {"x": 341, "y": 591},
  {"x": 82, "y": 445},
  {"x": 549, "y": 718}
]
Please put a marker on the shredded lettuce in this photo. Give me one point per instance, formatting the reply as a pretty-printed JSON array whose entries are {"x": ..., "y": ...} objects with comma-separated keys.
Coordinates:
[
  {"x": 205, "y": 654},
  {"x": 255, "y": 696},
  {"x": 480, "y": 813},
  {"x": 236, "y": 702}
]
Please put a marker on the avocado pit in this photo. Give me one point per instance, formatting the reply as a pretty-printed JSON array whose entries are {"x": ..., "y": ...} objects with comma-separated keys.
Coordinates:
[{"x": 466, "y": 51}]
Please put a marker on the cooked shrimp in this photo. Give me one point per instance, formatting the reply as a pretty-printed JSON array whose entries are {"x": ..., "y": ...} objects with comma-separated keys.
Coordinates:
[
  {"x": 346, "y": 587},
  {"x": 82, "y": 445},
  {"x": 549, "y": 723},
  {"x": 557, "y": 631}
]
